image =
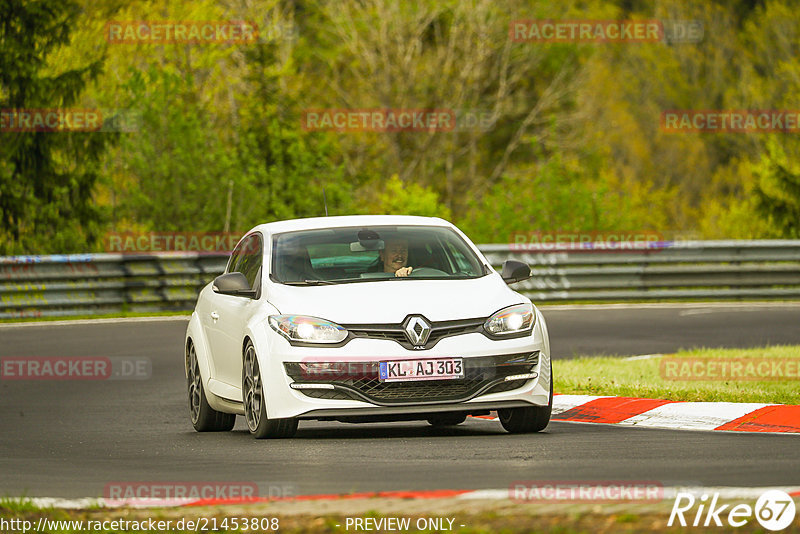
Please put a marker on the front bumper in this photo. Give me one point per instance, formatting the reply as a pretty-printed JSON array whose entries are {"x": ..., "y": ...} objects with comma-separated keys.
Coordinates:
[
  {"x": 360, "y": 381},
  {"x": 292, "y": 392}
]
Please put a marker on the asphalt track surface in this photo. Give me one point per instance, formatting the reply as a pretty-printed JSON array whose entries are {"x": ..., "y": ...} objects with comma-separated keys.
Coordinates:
[{"x": 70, "y": 439}]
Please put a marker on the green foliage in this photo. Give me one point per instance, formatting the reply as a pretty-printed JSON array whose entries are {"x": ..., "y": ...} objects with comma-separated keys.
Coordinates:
[
  {"x": 180, "y": 174},
  {"x": 778, "y": 190},
  {"x": 47, "y": 179},
  {"x": 398, "y": 198},
  {"x": 287, "y": 173},
  {"x": 574, "y": 142},
  {"x": 178, "y": 167},
  {"x": 553, "y": 195}
]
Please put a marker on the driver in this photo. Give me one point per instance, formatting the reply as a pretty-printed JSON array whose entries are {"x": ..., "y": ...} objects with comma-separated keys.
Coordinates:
[{"x": 394, "y": 257}]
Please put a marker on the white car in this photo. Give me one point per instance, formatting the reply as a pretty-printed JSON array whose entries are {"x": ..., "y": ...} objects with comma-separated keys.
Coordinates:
[{"x": 363, "y": 319}]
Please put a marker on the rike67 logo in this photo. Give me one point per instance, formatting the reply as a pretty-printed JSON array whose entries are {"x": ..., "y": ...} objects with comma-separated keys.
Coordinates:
[{"x": 774, "y": 510}]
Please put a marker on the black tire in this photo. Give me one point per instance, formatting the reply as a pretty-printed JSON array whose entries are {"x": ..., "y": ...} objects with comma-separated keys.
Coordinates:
[
  {"x": 447, "y": 419},
  {"x": 254, "y": 406},
  {"x": 204, "y": 417},
  {"x": 528, "y": 420}
]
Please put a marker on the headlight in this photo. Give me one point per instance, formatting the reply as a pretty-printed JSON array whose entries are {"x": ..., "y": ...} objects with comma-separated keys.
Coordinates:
[
  {"x": 512, "y": 320},
  {"x": 307, "y": 329}
]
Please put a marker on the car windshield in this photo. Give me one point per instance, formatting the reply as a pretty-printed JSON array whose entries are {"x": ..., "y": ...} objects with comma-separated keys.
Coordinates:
[{"x": 341, "y": 255}]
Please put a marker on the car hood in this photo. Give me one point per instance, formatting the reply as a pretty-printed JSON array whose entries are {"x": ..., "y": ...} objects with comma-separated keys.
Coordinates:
[{"x": 390, "y": 301}]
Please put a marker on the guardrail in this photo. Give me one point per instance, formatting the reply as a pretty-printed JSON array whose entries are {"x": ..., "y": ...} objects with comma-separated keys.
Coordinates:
[
  {"x": 90, "y": 284},
  {"x": 766, "y": 269},
  {"x": 93, "y": 284}
]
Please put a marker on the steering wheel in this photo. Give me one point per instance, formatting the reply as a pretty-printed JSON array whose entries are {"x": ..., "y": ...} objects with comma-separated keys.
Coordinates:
[{"x": 427, "y": 271}]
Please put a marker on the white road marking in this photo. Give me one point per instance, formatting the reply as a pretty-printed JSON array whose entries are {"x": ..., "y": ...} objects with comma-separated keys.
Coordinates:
[
  {"x": 643, "y": 357},
  {"x": 693, "y": 415},
  {"x": 703, "y": 311},
  {"x": 669, "y": 492}
]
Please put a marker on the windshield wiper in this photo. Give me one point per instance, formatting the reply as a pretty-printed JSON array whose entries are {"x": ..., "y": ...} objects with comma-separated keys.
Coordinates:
[{"x": 310, "y": 282}]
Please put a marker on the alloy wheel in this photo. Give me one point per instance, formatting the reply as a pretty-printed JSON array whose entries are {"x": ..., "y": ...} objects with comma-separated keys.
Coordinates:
[
  {"x": 252, "y": 389},
  {"x": 195, "y": 385}
]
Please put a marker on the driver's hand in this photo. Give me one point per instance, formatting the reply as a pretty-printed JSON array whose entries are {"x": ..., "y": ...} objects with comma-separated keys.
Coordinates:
[{"x": 403, "y": 271}]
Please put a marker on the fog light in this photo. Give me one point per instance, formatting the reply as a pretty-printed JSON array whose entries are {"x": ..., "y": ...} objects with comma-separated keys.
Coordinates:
[
  {"x": 311, "y": 386},
  {"x": 526, "y": 376}
]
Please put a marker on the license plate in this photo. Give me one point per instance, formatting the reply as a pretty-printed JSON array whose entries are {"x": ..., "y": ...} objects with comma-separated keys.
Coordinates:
[{"x": 439, "y": 369}]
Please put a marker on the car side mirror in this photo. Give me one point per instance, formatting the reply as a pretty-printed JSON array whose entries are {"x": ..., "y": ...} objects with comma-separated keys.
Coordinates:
[
  {"x": 233, "y": 284},
  {"x": 515, "y": 271}
]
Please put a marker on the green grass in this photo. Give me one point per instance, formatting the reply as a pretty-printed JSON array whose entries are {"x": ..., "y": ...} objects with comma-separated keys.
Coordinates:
[
  {"x": 642, "y": 378},
  {"x": 19, "y": 505}
]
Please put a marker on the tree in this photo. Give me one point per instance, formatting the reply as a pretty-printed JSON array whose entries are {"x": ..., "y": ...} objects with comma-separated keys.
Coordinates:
[
  {"x": 46, "y": 177},
  {"x": 175, "y": 169},
  {"x": 288, "y": 168},
  {"x": 778, "y": 191},
  {"x": 443, "y": 55},
  {"x": 409, "y": 199}
]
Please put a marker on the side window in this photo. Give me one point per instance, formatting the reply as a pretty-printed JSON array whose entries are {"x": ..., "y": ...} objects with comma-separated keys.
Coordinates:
[
  {"x": 232, "y": 262},
  {"x": 235, "y": 255},
  {"x": 249, "y": 259}
]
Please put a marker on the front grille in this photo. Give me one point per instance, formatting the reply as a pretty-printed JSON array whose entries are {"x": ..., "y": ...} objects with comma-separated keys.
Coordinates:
[
  {"x": 395, "y": 332},
  {"x": 394, "y": 335},
  {"x": 361, "y": 380},
  {"x": 442, "y": 390}
]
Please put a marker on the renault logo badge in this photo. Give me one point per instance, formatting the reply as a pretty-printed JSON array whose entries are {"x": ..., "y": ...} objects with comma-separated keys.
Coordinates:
[{"x": 417, "y": 330}]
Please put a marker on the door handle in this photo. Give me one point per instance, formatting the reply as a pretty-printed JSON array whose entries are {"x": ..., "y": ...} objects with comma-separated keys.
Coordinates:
[{"x": 214, "y": 315}]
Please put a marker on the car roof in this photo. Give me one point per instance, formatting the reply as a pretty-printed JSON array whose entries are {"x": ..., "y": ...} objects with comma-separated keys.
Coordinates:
[{"x": 315, "y": 223}]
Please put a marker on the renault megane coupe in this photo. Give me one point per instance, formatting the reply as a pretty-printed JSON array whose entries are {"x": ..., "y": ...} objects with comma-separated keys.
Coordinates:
[{"x": 365, "y": 319}]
